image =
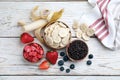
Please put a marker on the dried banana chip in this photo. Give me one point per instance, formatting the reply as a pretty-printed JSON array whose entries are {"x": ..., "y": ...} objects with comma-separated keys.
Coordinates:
[
  {"x": 46, "y": 30},
  {"x": 61, "y": 44},
  {"x": 56, "y": 39},
  {"x": 62, "y": 25},
  {"x": 90, "y": 32},
  {"x": 85, "y": 37},
  {"x": 79, "y": 34},
  {"x": 75, "y": 24},
  {"x": 63, "y": 32},
  {"x": 54, "y": 33},
  {"x": 55, "y": 45},
  {"x": 65, "y": 40},
  {"x": 83, "y": 27},
  {"x": 49, "y": 40}
]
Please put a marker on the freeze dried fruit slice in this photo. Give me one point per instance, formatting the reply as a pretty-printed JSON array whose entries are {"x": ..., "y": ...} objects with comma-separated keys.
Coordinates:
[
  {"x": 65, "y": 40},
  {"x": 55, "y": 45},
  {"x": 90, "y": 32},
  {"x": 54, "y": 33},
  {"x": 75, "y": 24},
  {"x": 79, "y": 34},
  {"x": 56, "y": 39},
  {"x": 62, "y": 25},
  {"x": 63, "y": 32},
  {"x": 47, "y": 29},
  {"x": 85, "y": 37},
  {"x": 33, "y": 52},
  {"x": 61, "y": 44},
  {"x": 49, "y": 40},
  {"x": 83, "y": 27}
]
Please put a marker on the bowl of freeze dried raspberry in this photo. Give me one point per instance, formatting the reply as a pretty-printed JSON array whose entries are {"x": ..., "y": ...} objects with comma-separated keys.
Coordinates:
[{"x": 33, "y": 52}]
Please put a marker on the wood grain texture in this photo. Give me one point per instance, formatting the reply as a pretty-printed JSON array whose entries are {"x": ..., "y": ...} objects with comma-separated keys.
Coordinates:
[
  {"x": 12, "y": 12},
  {"x": 40, "y": 0},
  {"x": 105, "y": 62},
  {"x": 12, "y": 63},
  {"x": 60, "y": 77}
]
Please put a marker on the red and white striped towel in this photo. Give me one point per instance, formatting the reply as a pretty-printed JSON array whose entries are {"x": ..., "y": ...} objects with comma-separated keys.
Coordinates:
[{"x": 104, "y": 18}]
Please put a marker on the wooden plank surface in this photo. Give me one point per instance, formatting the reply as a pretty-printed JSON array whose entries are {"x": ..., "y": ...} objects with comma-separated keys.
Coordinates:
[
  {"x": 40, "y": 0},
  {"x": 12, "y": 12},
  {"x": 60, "y": 77},
  {"x": 105, "y": 62}
]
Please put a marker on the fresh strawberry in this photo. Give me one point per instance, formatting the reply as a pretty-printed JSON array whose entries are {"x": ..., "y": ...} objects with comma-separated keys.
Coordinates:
[
  {"x": 44, "y": 65},
  {"x": 26, "y": 38},
  {"x": 52, "y": 56}
]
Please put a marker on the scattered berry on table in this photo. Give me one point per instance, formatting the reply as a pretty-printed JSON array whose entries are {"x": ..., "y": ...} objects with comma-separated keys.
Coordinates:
[
  {"x": 61, "y": 62},
  {"x": 61, "y": 68},
  {"x": 89, "y": 62},
  {"x": 52, "y": 56},
  {"x": 72, "y": 66},
  {"x": 67, "y": 70},
  {"x": 62, "y": 53},
  {"x": 90, "y": 56},
  {"x": 26, "y": 38},
  {"x": 65, "y": 58},
  {"x": 44, "y": 65}
]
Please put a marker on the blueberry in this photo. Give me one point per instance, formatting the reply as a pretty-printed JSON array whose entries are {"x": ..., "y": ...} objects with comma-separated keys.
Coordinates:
[
  {"x": 60, "y": 63},
  {"x": 89, "y": 62},
  {"x": 65, "y": 58},
  {"x": 67, "y": 70},
  {"x": 90, "y": 56},
  {"x": 72, "y": 66},
  {"x": 62, "y": 53},
  {"x": 61, "y": 68}
]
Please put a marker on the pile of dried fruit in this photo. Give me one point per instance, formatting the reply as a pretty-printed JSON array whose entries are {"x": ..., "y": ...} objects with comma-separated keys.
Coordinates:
[
  {"x": 57, "y": 35},
  {"x": 82, "y": 31},
  {"x": 33, "y": 52}
]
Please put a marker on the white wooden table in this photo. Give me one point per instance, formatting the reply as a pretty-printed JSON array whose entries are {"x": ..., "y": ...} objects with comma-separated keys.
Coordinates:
[{"x": 106, "y": 63}]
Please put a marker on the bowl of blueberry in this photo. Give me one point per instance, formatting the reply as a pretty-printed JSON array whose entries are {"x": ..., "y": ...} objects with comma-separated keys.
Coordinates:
[{"x": 77, "y": 50}]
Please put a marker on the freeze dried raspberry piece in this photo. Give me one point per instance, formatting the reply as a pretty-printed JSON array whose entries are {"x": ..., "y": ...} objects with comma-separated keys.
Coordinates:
[{"x": 33, "y": 52}]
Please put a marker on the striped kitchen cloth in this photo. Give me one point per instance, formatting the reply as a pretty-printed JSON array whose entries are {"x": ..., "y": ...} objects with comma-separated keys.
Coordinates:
[{"x": 104, "y": 18}]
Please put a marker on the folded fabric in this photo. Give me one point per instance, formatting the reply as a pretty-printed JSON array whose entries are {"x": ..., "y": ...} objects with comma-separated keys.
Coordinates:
[{"x": 104, "y": 18}]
